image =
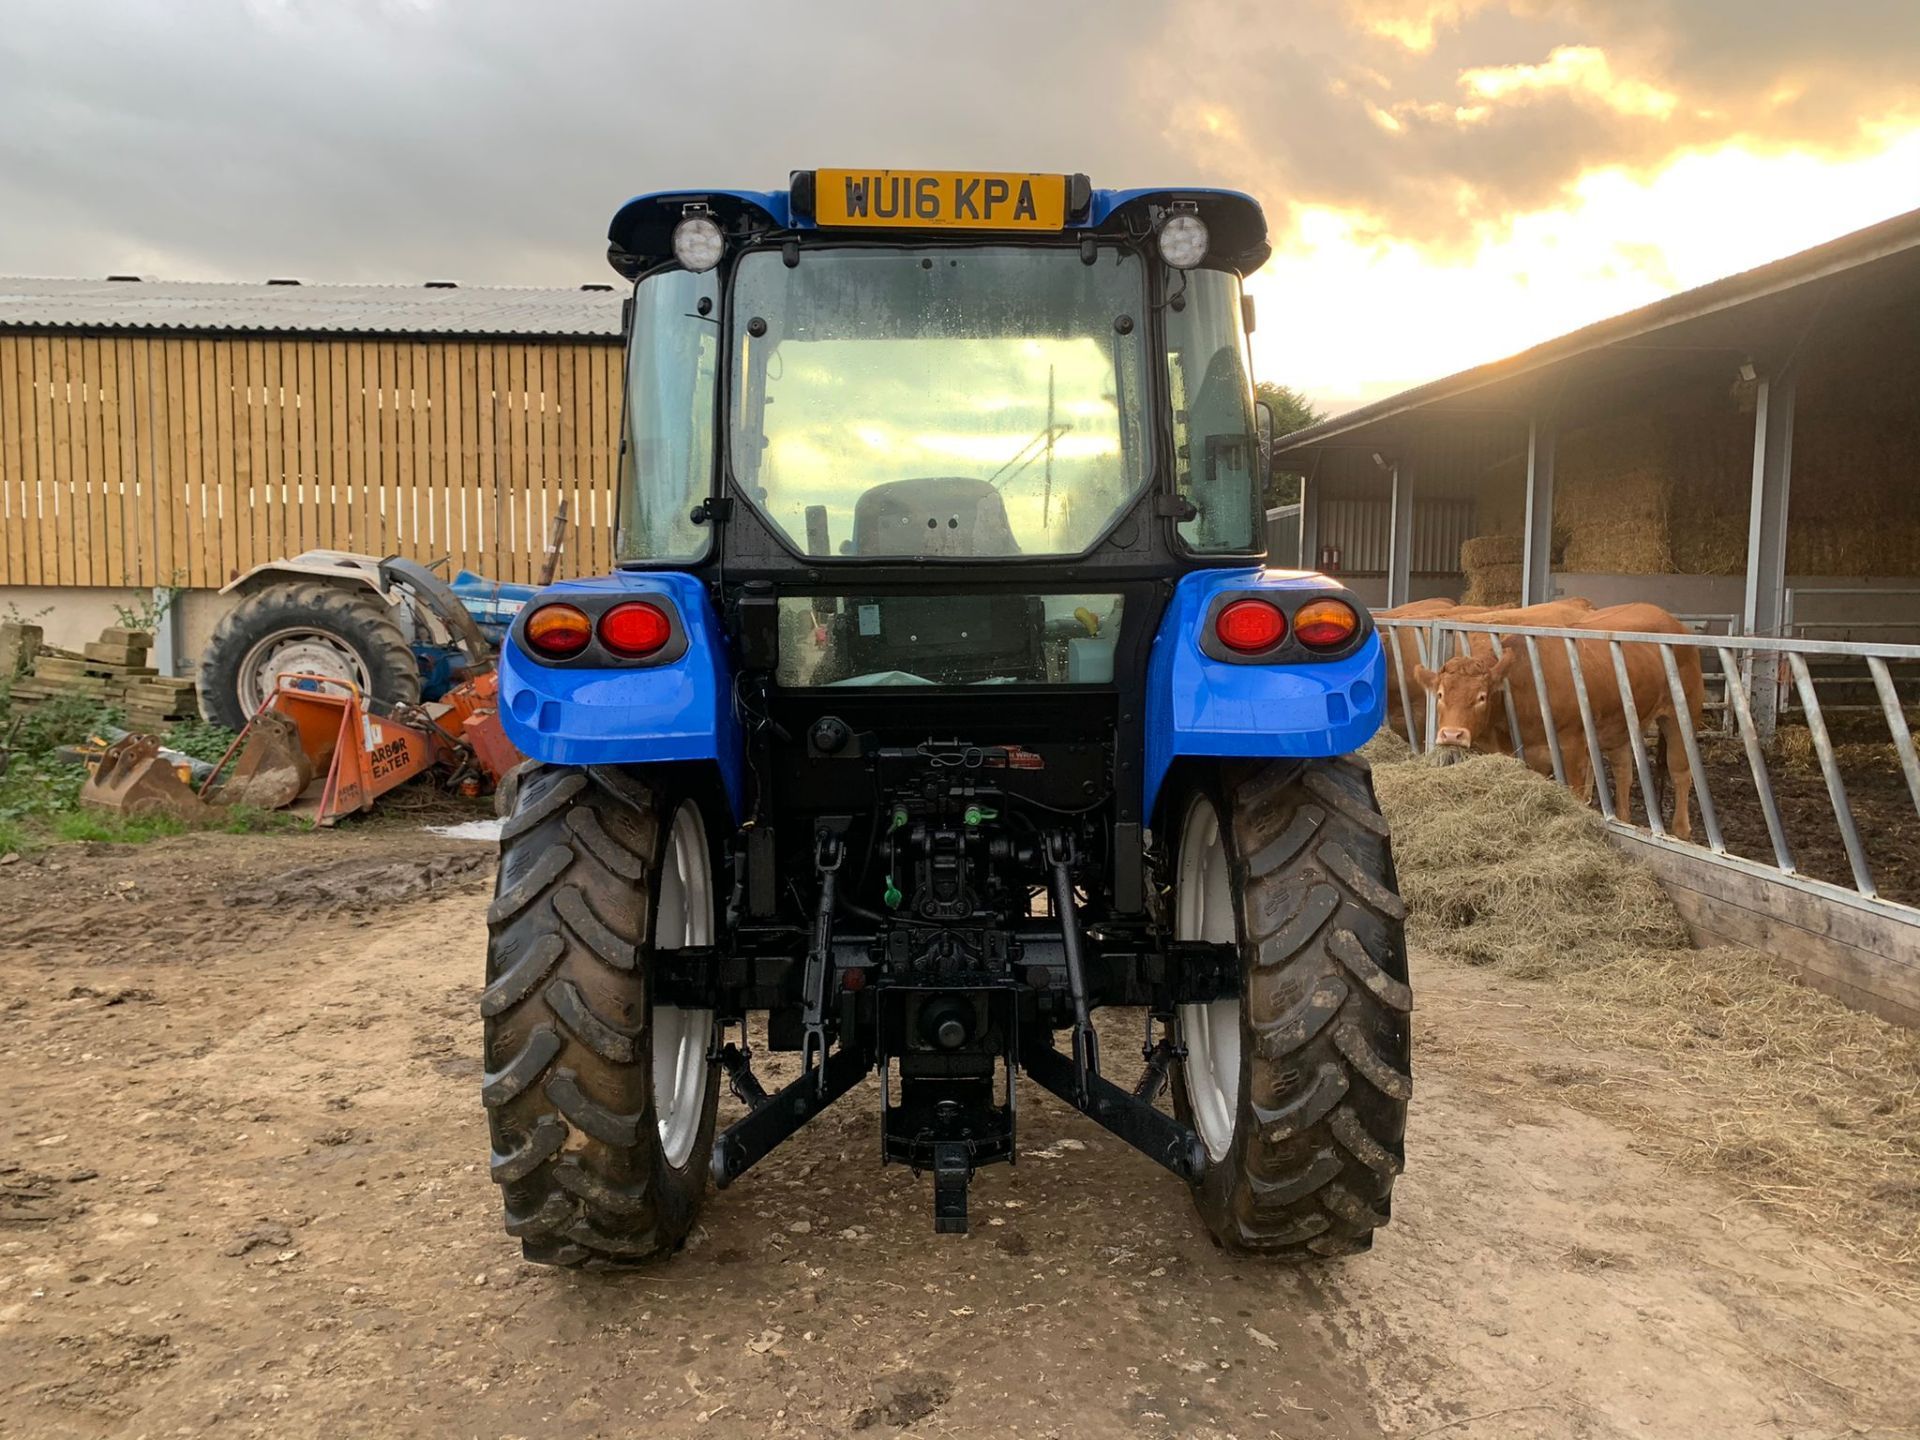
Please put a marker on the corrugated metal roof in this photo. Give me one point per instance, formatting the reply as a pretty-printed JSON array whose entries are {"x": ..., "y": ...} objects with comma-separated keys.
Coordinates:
[{"x": 42, "y": 304}]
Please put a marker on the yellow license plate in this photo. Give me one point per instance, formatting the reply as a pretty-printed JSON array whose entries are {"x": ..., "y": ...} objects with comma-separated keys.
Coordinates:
[{"x": 939, "y": 200}]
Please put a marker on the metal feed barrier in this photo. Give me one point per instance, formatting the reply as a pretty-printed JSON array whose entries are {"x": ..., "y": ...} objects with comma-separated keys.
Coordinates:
[{"x": 1735, "y": 670}]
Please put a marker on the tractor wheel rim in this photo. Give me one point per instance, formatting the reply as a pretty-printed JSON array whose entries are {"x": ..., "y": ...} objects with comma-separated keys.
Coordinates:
[
  {"x": 1203, "y": 910},
  {"x": 297, "y": 650},
  {"x": 683, "y": 916}
]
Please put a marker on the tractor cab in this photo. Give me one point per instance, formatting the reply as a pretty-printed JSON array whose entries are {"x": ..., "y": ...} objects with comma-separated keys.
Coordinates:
[
  {"x": 885, "y": 367},
  {"x": 939, "y": 699}
]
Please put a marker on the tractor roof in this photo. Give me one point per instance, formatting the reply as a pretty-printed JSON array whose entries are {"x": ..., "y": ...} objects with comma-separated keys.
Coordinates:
[{"x": 642, "y": 229}]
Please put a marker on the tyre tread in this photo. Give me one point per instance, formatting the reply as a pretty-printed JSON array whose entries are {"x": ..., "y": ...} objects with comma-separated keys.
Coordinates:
[
  {"x": 568, "y": 1084},
  {"x": 1328, "y": 1000},
  {"x": 348, "y": 609}
]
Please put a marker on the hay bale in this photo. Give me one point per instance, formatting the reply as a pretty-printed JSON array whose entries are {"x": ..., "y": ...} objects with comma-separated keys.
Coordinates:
[
  {"x": 1493, "y": 585},
  {"x": 1492, "y": 567},
  {"x": 1618, "y": 519},
  {"x": 1485, "y": 550},
  {"x": 1813, "y": 1106}
]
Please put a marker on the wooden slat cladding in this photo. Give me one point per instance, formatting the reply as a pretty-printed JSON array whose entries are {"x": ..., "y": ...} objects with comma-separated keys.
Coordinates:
[{"x": 138, "y": 460}]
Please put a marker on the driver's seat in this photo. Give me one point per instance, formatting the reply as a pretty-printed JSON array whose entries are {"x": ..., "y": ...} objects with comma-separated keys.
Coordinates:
[{"x": 933, "y": 515}]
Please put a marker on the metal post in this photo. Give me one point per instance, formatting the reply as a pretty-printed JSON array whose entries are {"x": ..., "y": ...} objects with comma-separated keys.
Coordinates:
[
  {"x": 1536, "y": 558},
  {"x": 1309, "y": 522},
  {"x": 1767, "y": 535},
  {"x": 1546, "y": 711},
  {"x": 1649, "y": 793},
  {"x": 1756, "y": 762},
  {"x": 1684, "y": 717},
  {"x": 1896, "y": 726},
  {"x": 1400, "y": 538},
  {"x": 166, "y": 633},
  {"x": 1602, "y": 785},
  {"x": 1392, "y": 629},
  {"x": 1431, "y": 657},
  {"x": 1830, "y": 768},
  {"x": 1513, "y": 711}
]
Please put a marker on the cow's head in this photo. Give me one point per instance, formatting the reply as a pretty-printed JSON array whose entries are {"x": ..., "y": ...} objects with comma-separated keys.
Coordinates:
[{"x": 1466, "y": 689}]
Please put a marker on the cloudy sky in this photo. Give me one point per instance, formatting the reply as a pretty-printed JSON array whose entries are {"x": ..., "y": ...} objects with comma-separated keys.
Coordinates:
[{"x": 1448, "y": 180}]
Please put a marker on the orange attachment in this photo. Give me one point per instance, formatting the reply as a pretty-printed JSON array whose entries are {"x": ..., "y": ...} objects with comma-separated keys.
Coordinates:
[
  {"x": 316, "y": 747},
  {"x": 353, "y": 756},
  {"x": 132, "y": 777},
  {"x": 471, "y": 711}
]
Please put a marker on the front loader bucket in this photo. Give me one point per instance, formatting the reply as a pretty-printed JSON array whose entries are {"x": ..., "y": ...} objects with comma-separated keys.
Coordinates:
[
  {"x": 133, "y": 778},
  {"x": 273, "y": 769}
]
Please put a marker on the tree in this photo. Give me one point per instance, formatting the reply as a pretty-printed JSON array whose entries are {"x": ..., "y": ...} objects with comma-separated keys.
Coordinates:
[{"x": 1291, "y": 411}]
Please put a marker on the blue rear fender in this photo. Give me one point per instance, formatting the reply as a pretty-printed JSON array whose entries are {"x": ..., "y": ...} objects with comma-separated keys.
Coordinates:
[
  {"x": 1200, "y": 706},
  {"x": 680, "y": 710}
]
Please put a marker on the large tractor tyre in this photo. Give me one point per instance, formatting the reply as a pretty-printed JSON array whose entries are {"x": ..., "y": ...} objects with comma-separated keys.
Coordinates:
[
  {"x": 306, "y": 628},
  {"x": 1299, "y": 1088},
  {"x": 601, "y": 1103},
  {"x": 508, "y": 788}
]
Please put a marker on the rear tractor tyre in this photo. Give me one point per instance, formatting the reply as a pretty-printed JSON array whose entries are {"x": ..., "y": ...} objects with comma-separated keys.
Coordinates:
[
  {"x": 1298, "y": 1089},
  {"x": 308, "y": 628},
  {"x": 600, "y": 1102}
]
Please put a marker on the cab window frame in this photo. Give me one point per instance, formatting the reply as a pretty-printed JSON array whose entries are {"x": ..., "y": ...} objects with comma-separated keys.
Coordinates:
[
  {"x": 626, "y": 485},
  {"x": 1156, "y": 453},
  {"x": 1256, "y": 545}
]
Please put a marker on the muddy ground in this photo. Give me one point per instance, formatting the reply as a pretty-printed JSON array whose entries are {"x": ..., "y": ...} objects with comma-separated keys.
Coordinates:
[
  {"x": 243, "y": 1193},
  {"x": 1877, "y": 795}
]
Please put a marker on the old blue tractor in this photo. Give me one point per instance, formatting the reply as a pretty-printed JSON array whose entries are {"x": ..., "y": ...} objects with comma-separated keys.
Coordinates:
[{"x": 939, "y": 700}]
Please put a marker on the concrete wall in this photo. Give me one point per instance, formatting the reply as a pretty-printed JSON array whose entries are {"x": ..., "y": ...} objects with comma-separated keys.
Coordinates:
[{"x": 72, "y": 615}]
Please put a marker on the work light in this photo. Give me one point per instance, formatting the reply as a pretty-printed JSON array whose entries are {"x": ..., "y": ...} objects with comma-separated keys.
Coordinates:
[
  {"x": 697, "y": 242},
  {"x": 1183, "y": 240}
]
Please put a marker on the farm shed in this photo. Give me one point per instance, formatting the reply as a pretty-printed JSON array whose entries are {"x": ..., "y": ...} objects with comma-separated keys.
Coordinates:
[
  {"x": 162, "y": 435},
  {"x": 1747, "y": 453}
]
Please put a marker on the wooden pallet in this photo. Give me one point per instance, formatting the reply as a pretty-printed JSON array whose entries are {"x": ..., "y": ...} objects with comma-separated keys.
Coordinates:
[{"x": 112, "y": 671}]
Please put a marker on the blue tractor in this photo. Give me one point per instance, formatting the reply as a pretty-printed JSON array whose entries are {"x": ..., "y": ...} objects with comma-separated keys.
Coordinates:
[{"x": 940, "y": 698}]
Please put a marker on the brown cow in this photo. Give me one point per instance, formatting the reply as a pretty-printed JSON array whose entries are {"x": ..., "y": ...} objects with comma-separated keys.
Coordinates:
[
  {"x": 1414, "y": 609},
  {"x": 1472, "y": 712},
  {"x": 1553, "y": 612},
  {"x": 1403, "y": 641}
]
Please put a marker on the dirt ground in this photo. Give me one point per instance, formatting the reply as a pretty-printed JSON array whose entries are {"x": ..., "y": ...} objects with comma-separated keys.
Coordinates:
[
  {"x": 1877, "y": 795},
  {"x": 243, "y": 1192}
]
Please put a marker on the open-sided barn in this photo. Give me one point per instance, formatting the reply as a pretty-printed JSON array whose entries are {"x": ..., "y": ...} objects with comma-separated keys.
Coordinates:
[
  {"x": 1748, "y": 451},
  {"x": 1745, "y": 456}
]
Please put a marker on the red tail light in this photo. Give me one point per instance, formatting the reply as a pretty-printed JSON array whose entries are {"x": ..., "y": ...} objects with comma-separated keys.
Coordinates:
[
  {"x": 558, "y": 631},
  {"x": 1250, "y": 626},
  {"x": 635, "y": 629},
  {"x": 1325, "y": 624}
]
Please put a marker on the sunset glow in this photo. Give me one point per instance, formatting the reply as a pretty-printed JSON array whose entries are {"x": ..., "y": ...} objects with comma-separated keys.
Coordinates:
[{"x": 1351, "y": 312}]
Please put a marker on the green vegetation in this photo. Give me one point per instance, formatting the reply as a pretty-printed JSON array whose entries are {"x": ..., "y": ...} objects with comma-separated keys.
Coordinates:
[
  {"x": 40, "y": 792},
  {"x": 93, "y": 825},
  {"x": 149, "y": 608},
  {"x": 200, "y": 740},
  {"x": 1291, "y": 411}
]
